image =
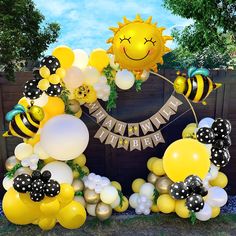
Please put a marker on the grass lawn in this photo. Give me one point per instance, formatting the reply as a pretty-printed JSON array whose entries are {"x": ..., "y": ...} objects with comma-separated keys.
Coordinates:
[{"x": 157, "y": 224}]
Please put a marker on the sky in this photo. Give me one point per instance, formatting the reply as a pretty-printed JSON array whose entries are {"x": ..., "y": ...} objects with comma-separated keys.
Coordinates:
[{"x": 85, "y": 23}]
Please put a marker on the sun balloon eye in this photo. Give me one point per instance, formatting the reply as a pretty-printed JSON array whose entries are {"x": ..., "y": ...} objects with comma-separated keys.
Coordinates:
[
  {"x": 128, "y": 39},
  {"x": 149, "y": 40}
]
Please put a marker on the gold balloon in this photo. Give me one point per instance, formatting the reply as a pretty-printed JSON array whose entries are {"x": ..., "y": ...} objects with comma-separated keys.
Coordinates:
[
  {"x": 91, "y": 209},
  {"x": 152, "y": 178},
  {"x": 74, "y": 105},
  {"x": 91, "y": 196},
  {"x": 23, "y": 170},
  {"x": 103, "y": 211},
  {"x": 80, "y": 199},
  {"x": 78, "y": 185},
  {"x": 163, "y": 184},
  {"x": 11, "y": 162}
]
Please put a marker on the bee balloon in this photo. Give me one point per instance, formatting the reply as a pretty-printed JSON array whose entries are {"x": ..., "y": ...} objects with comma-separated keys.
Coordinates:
[
  {"x": 197, "y": 86},
  {"x": 24, "y": 123}
]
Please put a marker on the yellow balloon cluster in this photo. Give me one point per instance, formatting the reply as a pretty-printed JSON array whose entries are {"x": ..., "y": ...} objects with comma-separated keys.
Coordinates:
[{"x": 20, "y": 209}]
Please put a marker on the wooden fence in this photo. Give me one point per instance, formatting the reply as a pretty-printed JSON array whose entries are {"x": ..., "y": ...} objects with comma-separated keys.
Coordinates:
[{"x": 121, "y": 165}]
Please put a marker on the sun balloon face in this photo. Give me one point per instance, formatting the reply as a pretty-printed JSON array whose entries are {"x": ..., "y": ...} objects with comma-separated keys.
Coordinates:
[{"x": 138, "y": 45}]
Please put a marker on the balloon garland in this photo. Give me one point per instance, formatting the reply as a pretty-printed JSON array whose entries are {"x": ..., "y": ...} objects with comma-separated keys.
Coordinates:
[{"x": 47, "y": 179}]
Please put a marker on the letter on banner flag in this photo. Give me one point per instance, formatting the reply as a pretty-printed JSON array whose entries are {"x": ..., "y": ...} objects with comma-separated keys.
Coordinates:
[
  {"x": 157, "y": 120},
  {"x": 120, "y": 127},
  {"x": 135, "y": 144},
  {"x": 99, "y": 114},
  {"x": 146, "y": 141},
  {"x": 101, "y": 134},
  {"x": 109, "y": 122},
  {"x": 174, "y": 103},
  {"x": 166, "y": 112},
  {"x": 92, "y": 106},
  {"x": 112, "y": 139},
  {"x": 146, "y": 126},
  {"x": 157, "y": 138}
]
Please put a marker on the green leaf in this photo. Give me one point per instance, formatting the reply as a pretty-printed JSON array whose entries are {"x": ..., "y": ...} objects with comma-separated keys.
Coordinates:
[
  {"x": 138, "y": 85},
  {"x": 65, "y": 97},
  {"x": 10, "y": 174},
  {"x": 193, "y": 217},
  {"x": 79, "y": 193},
  {"x": 40, "y": 164},
  {"x": 121, "y": 198},
  {"x": 76, "y": 167},
  {"x": 155, "y": 196}
]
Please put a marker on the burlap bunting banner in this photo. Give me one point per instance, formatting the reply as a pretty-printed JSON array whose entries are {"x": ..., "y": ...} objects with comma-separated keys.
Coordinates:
[{"x": 113, "y": 131}]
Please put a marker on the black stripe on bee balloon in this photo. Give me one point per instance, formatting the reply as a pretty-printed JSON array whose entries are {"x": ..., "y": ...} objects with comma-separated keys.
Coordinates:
[
  {"x": 194, "y": 88},
  {"x": 206, "y": 87},
  {"x": 17, "y": 129},
  {"x": 27, "y": 123}
]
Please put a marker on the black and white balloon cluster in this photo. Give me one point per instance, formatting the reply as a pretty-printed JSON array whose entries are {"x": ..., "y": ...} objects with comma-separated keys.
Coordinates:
[
  {"x": 38, "y": 185},
  {"x": 192, "y": 190},
  {"x": 218, "y": 136}
]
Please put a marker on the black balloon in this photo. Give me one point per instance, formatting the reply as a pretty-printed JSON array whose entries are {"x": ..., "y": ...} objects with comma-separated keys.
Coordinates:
[
  {"x": 195, "y": 202},
  {"x": 52, "y": 188},
  {"x": 22, "y": 183},
  {"x": 227, "y": 142},
  {"x": 179, "y": 190},
  {"x": 194, "y": 183},
  {"x": 36, "y": 75},
  {"x": 203, "y": 192},
  {"x": 51, "y": 62},
  {"x": 220, "y": 157},
  {"x": 36, "y": 196},
  {"x": 31, "y": 89},
  {"x": 221, "y": 128},
  {"x": 36, "y": 174},
  {"x": 46, "y": 175},
  {"x": 218, "y": 143},
  {"x": 37, "y": 185},
  {"x": 205, "y": 135},
  {"x": 54, "y": 90}
]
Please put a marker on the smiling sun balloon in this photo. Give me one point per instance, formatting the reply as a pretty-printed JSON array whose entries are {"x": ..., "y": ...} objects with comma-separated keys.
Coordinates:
[{"x": 138, "y": 45}]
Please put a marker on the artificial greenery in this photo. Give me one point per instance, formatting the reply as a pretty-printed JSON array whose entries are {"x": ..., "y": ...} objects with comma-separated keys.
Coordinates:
[
  {"x": 10, "y": 173},
  {"x": 40, "y": 164},
  {"x": 79, "y": 193},
  {"x": 138, "y": 85},
  {"x": 76, "y": 167},
  {"x": 111, "y": 103},
  {"x": 121, "y": 198},
  {"x": 23, "y": 35},
  {"x": 210, "y": 40},
  {"x": 193, "y": 217},
  {"x": 65, "y": 97},
  {"x": 155, "y": 196}
]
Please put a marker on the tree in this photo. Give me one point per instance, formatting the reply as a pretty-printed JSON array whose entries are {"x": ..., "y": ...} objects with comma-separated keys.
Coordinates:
[
  {"x": 214, "y": 24},
  {"x": 23, "y": 37}
]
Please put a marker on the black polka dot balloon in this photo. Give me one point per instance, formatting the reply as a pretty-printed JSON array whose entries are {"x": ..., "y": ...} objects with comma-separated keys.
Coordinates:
[
  {"x": 46, "y": 175},
  {"x": 22, "y": 183},
  {"x": 203, "y": 192},
  {"x": 221, "y": 128},
  {"x": 54, "y": 90},
  {"x": 37, "y": 196},
  {"x": 194, "y": 202},
  {"x": 227, "y": 142},
  {"x": 52, "y": 188},
  {"x": 205, "y": 135},
  {"x": 218, "y": 143},
  {"x": 37, "y": 185},
  {"x": 31, "y": 89},
  {"x": 192, "y": 178},
  {"x": 36, "y": 174},
  {"x": 220, "y": 157},
  {"x": 36, "y": 75},
  {"x": 179, "y": 190},
  {"x": 51, "y": 62}
]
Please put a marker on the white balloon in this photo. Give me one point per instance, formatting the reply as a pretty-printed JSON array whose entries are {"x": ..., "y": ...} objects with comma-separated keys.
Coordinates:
[
  {"x": 213, "y": 171},
  {"x": 208, "y": 146},
  {"x": 205, "y": 213},
  {"x": 216, "y": 197},
  {"x": 64, "y": 137},
  {"x": 40, "y": 152},
  {"x": 124, "y": 79},
  {"x": 41, "y": 101},
  {"x": 74, "y": 78},
  {"x": 91, "y": 209},
  {"x": 60, "y": 171},
  {"x": 147, "y": 190},
  {"x": 116, "y": 203},
  {"x": 206, "y": 122},
  {"x": 108, "y": 194},
  {"x": 7, "y": 183},
  {"x": 105, "y": 181},
  {"x": 133, "y": 200},
  {"x": 23, "y": 150},
  {"x": 138, "y": 211},
  {"x": 145, "y": 75},
  {"x": 81, "y": 58},
  {"x": 146, "y": 211},
  {"x": 91, "y": 75}
]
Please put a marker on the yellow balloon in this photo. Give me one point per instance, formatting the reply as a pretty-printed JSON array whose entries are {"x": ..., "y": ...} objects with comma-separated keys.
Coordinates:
[
  {"x": 186, "y": 157},
  {"x": 150, "y": 162},
  {"x": 137, "y": 183},
  {"x": 154, "y": 208},
  {"x": 80, "y": 160},
  {"x": 43, "y": 84},
  {"x": 166, "y": 203},
  {"x": 99, "y": 59},
  {"x": 75, "y": 174},
  {"x": 55, "y": 106},
  {"x": 47, "y": 223},
  {"x": 125, "y": 205},
  {"x": 18, "y": 211},
  {"x": 85, "y": 169},
  {"x": 61, "y": 72},
  {"x": 66, "y": 194},
  {"x": 157, "y": 167},
  {"x": 79, "y": 113},
  {"x": 72, "y": 216},
  {"x": 45, "y": 119},
  {"x": 181, "y": 209},
  {"x": 33, "y": 141},
  {"x": 116, "y": 185},
  {"x": 221, "y": 180},
  {"x": 44, "y": 72},
  {"x": 65, "y": 55},
  {"x": 54, "y": 79},
  {"x": 49, "y": 206},
  {"x": 215, "y": 212},
  {"x": 24, "y": 102},
  {"x": 48, "y": 160}
]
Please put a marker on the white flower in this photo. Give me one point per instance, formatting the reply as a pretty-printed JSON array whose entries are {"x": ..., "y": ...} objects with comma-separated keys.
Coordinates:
[
  {"x": 31, "y": 162},
  {"x": 102, "y": 88}
]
